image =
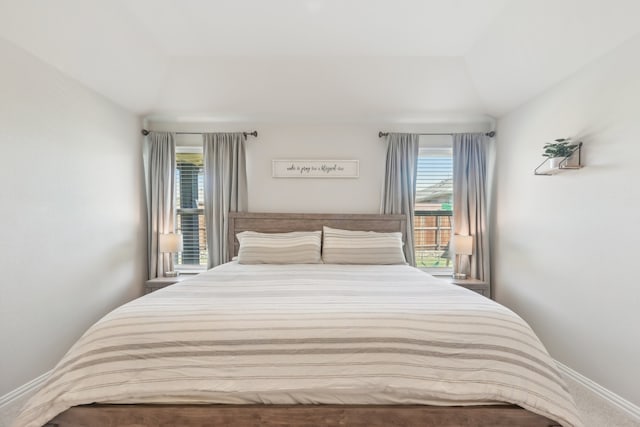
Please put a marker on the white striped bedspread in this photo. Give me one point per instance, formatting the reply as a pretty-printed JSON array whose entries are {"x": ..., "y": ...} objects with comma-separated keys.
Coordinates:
[{"x": 308, "y": 334}]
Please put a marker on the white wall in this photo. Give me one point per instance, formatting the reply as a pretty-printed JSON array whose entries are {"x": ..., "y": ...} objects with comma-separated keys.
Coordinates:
[
  {"x": 71, "y": 209},
  {"x": 327, "y": 141},
  {"x": 567, "y": 246},
  {"x": 357, "y": 195}
]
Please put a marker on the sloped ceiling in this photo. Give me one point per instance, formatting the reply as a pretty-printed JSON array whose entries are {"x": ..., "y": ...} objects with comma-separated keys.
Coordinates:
[{"x": 382, "y": 60}]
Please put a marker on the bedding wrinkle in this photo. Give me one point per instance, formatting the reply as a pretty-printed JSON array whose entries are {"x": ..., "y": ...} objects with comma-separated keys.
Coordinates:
[{"x": 308, "y": 334}]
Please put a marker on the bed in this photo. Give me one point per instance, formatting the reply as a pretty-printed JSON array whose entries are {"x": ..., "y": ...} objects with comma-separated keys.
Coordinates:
[{"x": 306, "y": 345}]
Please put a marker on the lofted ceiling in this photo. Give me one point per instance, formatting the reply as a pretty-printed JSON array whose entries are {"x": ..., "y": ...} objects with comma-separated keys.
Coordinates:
[{"x": 383, "y": 60}]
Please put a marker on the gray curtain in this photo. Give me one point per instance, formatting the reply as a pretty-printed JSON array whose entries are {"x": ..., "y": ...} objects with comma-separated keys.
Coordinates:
[
  {"x": 159, "y": 157},
  {"x": 470, "y": 200},
  {"x": 225, "y": 188},
  {"x": 399, "y": 192}
]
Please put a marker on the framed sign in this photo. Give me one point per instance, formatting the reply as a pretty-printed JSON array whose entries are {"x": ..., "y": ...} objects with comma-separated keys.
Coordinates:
[{"x": 316, "y": 168}]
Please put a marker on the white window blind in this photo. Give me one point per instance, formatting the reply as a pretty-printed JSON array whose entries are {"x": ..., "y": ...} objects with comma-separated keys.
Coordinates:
[
  {"x": 190, "y": 220},
  {"x": 433, "y": 208},
  {"x": 434, "y": 183}
]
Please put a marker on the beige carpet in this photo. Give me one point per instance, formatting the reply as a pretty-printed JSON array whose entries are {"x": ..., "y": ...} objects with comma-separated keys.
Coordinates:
[{"x": 597, "y": 412}]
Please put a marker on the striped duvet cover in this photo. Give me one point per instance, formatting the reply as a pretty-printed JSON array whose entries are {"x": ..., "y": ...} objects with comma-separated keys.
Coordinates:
[{"x": 308, "y": 334}]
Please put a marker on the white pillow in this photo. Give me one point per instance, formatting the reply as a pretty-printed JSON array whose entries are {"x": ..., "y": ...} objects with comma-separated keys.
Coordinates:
[
  {"x": 298, "y": 247},
  {"x": 361, "y": 247}
]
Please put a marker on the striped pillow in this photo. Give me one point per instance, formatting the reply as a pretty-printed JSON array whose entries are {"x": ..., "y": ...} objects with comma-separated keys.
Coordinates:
[
  {"x": 361, "y": 247},
  {"x": 298, "y": 247}
]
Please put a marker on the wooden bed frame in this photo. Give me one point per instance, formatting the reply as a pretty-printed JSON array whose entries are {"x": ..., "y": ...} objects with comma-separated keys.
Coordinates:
[
  {"x": 283, "y": 222},
  {"x": 102, "y": 415}
]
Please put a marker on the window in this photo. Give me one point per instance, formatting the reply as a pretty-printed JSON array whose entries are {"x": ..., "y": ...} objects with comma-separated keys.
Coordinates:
[
  {"x": 190, "y": 220},
  {"x": 434, "y": 205}
]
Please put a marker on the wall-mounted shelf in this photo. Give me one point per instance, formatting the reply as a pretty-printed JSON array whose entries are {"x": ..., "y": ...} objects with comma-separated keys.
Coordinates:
[{"x": 564, "y": 163}]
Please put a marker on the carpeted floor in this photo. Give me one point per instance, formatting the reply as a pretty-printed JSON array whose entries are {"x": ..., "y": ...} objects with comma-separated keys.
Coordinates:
[{"x": 596, "y": 412}]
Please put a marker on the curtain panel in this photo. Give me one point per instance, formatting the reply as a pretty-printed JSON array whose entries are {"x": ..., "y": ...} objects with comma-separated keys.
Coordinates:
[
  {"x": 159, "y": 157},
  {"x": 471, "y": 187},
  {"x": 399, "y": 191},
  {"x": 225, "y": 188}
]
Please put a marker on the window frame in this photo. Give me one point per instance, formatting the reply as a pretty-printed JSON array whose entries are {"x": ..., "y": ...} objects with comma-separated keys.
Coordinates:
[
  {"x": 432, "y": 142},
  {"x": 188, "y": 268}
]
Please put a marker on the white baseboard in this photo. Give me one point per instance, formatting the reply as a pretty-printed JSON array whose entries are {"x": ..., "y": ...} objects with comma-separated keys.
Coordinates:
[
  {"x": 605, "y": 394},
  {"x": 17, "y": 394}
]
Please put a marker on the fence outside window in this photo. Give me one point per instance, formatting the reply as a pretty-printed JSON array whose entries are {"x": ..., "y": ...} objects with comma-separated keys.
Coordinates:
[{"x": 432, "y": 234}]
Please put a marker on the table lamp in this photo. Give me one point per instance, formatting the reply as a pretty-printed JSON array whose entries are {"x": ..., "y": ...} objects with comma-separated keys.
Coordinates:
[
  {"x": 462, "y": 245},
  {"x": 170, "y": 243}
]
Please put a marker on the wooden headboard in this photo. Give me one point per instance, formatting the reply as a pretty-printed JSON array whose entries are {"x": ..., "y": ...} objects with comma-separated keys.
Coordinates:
[{"x": 285, "y": 222}]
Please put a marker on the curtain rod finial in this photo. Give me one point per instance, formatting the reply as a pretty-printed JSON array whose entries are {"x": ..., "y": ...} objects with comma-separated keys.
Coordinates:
[
  {"x": 144, "y": 132},
  {"x": 491, "y": 134},
  {"x": 381, "y": 134}
]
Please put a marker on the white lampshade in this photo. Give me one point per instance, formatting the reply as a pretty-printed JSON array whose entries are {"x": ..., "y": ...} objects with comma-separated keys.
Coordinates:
[
  {"x": 463, "y": 245},
  {"x": 170, "y": 243}
]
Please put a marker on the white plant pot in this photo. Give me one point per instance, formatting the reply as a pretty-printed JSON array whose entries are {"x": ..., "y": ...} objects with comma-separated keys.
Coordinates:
[{"x": 554, "y": 162}]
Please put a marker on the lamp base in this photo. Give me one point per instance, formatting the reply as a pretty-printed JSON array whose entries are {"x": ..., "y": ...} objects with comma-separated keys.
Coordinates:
[
  {"x": 172, "y": 274},
  {"x": 459, "y": 276}
]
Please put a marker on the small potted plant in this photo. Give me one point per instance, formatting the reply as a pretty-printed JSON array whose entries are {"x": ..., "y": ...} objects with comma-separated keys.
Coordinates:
[{"x": 558, "y": 151}]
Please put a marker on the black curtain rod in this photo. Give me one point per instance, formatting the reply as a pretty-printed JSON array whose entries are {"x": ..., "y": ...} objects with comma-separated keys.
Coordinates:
[
  {"x": 254, "y": 133},
  {"x": 489, "y": 134}
]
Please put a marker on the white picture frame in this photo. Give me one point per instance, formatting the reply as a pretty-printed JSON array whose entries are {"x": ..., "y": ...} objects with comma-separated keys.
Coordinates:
[{"x": 307, "y": 168}]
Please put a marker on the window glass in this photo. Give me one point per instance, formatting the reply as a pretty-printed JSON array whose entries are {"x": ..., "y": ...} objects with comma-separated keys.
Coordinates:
[
  {"x": 190, "y": 220},
  {"x": 434, "y": 205}
]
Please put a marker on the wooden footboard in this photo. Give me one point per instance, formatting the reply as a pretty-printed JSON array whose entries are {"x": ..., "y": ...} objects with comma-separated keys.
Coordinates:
[{"x": 298, "y": 416}]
